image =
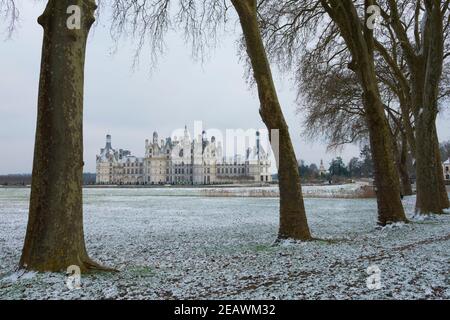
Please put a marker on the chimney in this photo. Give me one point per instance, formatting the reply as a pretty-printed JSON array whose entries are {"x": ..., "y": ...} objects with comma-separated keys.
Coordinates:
[{"x": 257, "y": 142}]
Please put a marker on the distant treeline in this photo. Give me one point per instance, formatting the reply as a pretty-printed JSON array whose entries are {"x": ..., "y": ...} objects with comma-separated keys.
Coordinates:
[{"x": 25, "y": 179}]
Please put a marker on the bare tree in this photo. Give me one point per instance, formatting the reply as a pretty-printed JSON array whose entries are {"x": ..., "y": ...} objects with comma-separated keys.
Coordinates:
[
  {"x": 338, "y": 30},
  {"x": 422, "y": 29},
  {"x": 359, "y": 40},
  {"x": 293, "y": 223},
  {"x": 331, "y": 99}
]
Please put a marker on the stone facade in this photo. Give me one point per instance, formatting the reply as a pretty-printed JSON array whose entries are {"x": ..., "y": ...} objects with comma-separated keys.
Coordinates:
[{"x": 182, "y": 161}]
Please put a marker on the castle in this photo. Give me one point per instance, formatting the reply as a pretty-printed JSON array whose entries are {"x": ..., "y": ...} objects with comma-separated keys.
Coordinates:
[{"x": 182, "y": 161}]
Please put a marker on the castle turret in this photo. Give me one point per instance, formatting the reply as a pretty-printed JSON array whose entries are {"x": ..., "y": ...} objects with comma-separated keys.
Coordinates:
[
  {"x": 204, "y": 140},
  {"x": 322, "y": 170},
  {"x": 108, "y": 142},
  {"x": 186, "y": 133},
  {"x": 155, "y": 137}
]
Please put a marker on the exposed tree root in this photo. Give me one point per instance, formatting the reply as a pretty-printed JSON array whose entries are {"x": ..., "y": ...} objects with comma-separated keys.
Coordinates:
[{"x": 92, "y": 266}]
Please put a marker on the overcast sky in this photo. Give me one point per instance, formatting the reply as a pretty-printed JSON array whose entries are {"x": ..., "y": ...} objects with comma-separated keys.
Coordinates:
[{"x": 131, "y": 104}]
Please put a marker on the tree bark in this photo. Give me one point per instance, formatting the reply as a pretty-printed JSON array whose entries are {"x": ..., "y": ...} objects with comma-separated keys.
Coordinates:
[
  {"x": 360, "y": 42},
  {"x": 427, "y": 182},
  {"x": 425, "y": 63},
  {"x": 403, "y": 167},
  {"x": 444, "y": 201},
  {"x": 431, "y": 192},
  {"x": 54, "y": 237},
  {"x": 293, "y": 222}
]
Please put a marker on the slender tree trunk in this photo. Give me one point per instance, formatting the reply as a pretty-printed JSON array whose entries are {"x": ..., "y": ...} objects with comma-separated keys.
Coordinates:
[
  {"x": 293, "y": 222},
  {"x": 360, "y": 42},
  {"x": 54, "y": 238},
  {"x": 403, "y": 167},
  {"x": 401, "y": 157},
  {"x": 444, "y": 201}
]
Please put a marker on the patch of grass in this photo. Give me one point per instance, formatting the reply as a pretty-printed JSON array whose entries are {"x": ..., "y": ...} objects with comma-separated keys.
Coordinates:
[
  {"x": 263, "y": 248},
  {"x": 143, "y": 271}
]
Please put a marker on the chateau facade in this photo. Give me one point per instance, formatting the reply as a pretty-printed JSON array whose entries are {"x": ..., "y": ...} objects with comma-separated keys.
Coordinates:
[{"x": 182, "y": 161}]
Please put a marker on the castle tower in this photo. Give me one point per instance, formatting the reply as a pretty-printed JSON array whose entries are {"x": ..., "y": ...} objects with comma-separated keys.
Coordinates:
[
  {"x": 204, "y": 140},
  {"x": 322, "y": 170},
  {"x": 108, "y": 142},
  {"x": 155, "y": 137},
  {"x": 186, "y": 133}
]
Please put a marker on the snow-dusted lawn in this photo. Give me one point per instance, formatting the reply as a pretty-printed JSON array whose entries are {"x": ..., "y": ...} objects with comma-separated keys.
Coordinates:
[{"x": 170, "y": 247}]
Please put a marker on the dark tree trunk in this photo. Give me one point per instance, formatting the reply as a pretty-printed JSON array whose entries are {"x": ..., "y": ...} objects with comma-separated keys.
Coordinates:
[
  {"x": 427, "y": 182},
  {"x": 425, "y": 66},
  {"x": 54, "y": 238},
  {"x": 444, "y": 201},
  {"x": 403, "y": 168},
  {"x": 401, "y": 158},
  {"x": 360, "y": 42},
  {"x": 293, "y": 223},
  {"x": 387, "y": 182}
]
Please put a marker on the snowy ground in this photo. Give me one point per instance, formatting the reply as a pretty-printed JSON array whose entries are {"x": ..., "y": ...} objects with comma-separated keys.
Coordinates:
[{"x": 174, "y": 247}]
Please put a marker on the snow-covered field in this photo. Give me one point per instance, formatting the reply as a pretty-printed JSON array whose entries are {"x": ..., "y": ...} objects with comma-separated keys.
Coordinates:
[{"x": 181, "y": 246}]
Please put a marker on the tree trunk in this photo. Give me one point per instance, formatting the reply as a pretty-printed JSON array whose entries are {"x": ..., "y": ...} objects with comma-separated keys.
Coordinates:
[
  {"x": 431, "y": 193},
  {"x": 387, "y": 182},
  {"x": 428, "y": 191},
  {"x": 426, "y": 71},
  {"x": 54, "y": 238},
  {"x": 445, "y": 203},
  {"x": 360, "y": 42},
  {"x": 293, "y": 222},
  {"x": 403, "y": 168}
]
